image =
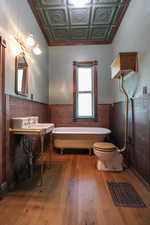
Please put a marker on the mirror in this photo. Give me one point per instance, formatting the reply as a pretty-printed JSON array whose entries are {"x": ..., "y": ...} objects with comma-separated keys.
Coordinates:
[{"x": 21, "y": 78}]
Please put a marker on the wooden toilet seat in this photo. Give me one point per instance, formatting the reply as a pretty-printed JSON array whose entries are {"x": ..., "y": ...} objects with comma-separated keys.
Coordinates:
[{"x": 104, "y": 146}]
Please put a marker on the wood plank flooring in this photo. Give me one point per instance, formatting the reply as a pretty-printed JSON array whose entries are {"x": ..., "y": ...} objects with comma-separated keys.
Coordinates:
[{"x": 75, "y": 193}]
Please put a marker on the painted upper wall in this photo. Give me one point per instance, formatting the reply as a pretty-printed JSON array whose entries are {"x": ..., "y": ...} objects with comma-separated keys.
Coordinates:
[
  {"x": 134, "y": 35},
  {"x": 17, "y": 20},
  {"x": 61, "y": 71}
]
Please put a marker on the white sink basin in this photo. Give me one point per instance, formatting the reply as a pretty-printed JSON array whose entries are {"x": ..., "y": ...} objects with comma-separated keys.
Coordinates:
[{"x": 31, "y": 123}]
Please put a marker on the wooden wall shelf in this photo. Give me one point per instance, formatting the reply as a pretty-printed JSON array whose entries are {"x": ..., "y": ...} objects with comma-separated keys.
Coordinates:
[{"x": 124, "y": 63}]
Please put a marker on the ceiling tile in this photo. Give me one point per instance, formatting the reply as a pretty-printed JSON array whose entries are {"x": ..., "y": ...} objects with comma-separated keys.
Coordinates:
[
  {"x": 56, "y": 17},
  {"x": 98, "y": 33},
  {"x": 103, "y": 15},
  {"x": 116, "y": 15},
  {"x": 50, "y": 36},
  {"x": 79, "y": 16},
  {"x": 43, "y": 16},
  {"x": 110, "y": 32},
  {"x": 61, "y": 34},
  {"x": 52, "y": 2},
  {"x": 79, "y": 33}
]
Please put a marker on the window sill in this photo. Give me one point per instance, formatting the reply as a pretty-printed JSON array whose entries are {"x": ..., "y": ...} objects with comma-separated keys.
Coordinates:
[{"x": 85, "y": 119}]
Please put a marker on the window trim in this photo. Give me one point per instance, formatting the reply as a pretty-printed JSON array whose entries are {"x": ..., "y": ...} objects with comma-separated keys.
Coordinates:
[{"x": 76, "y": 64}]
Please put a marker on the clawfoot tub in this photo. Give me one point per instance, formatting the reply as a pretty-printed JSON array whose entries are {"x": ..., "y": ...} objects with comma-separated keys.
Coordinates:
[{"x": 78, "y": 137}]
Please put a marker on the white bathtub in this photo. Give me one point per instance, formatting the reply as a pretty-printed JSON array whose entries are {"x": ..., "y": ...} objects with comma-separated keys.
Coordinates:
[{"x": 78, "y": 137}]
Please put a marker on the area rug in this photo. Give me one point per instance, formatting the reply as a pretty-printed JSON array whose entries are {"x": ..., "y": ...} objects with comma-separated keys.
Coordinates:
[{"x": 124, "y": 195}]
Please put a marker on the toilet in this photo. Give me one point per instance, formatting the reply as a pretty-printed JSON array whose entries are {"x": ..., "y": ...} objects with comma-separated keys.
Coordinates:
[{"x": 108, "y": 157}]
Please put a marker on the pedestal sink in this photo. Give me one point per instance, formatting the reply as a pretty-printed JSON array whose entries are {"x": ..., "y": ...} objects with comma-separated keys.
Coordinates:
[{"x": 30, "y": 126}]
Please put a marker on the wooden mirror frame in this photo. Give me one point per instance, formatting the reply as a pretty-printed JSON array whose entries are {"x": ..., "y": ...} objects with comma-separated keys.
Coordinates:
[{"x": 24, "y": 91}]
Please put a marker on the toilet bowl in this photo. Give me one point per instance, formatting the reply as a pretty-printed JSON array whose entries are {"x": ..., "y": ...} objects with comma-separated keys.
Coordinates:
[{"x": 108, "y": 157}]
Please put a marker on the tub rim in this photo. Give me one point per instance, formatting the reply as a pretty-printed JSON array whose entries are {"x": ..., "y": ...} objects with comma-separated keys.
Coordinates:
[{"x": 81, "y": 130}]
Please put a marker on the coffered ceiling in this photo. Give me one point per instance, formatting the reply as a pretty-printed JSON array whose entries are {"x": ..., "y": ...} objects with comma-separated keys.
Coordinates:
[{"x": 63, "y": 23}]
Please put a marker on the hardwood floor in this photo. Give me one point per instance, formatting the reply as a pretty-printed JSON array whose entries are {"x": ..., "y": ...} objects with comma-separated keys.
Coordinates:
[{"x": 75, "y": 193}]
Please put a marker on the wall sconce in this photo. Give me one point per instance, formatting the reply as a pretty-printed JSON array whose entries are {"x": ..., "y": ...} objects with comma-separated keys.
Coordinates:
[
  {"x": 27, "y": 46},
  {"x": 17, "y": 49}
]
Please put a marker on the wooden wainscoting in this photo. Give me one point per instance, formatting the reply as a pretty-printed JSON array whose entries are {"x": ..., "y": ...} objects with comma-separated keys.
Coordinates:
[
  {"x": 138, "y": 152},
  {"x": 24, "y": 107},
  {"x": 62, "y": 115}
]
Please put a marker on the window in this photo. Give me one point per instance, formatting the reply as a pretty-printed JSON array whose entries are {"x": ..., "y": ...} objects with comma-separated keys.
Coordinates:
[{"x": 85, "y": 88}]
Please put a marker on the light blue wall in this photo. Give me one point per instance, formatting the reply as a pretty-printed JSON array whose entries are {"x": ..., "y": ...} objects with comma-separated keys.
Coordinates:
[
  {"x": 61, "y": 71},
  {"x": 17, "y": 20},
  {"x": 134, "y": 35}
]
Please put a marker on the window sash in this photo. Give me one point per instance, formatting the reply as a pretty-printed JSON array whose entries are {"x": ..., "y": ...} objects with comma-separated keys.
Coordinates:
[
  {"x": 86, "y": 77},
  {"x": 92, "y": 106}
]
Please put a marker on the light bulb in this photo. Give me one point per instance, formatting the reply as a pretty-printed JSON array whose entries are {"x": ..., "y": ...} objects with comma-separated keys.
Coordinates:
[
  {"x": 37, "y": 50},
  {"x": 30, "y": 40}
]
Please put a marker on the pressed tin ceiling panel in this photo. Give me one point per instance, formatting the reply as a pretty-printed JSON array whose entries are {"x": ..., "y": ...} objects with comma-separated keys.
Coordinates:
[
  {"x": 79, "y": 33},
  {"x": 94, "y": 22},
  {"x": 79, "y": 16},
  {"x": 56, "y": 17}
]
